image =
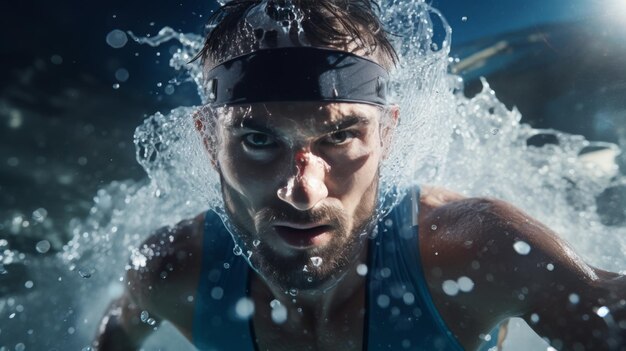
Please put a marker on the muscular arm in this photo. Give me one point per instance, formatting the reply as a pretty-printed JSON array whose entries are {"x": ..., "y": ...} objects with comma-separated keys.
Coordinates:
[
  {"x": 518, "y": 267},
  {"x": 163, "y": 289}
]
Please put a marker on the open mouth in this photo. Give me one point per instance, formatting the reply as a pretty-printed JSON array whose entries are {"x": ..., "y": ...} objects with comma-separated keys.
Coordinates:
[{"x": 303, "y": 237}]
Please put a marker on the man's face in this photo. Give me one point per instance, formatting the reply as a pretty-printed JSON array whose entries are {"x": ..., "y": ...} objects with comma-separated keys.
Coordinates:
[{"x": 299, "y": 182}]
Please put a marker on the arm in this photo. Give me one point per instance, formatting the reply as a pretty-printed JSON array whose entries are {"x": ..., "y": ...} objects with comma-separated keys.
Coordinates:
[
  {"x": 163, "y": 289},
  {"x": 122, "y": 327},
  {"x": 549, "y": 286}
]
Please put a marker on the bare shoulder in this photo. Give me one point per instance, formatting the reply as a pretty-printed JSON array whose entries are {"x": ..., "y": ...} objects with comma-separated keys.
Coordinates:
[{"x": 164, "y": 269}]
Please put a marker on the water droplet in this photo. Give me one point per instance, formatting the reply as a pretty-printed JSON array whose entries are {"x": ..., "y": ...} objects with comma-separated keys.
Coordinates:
[
  {"x": 144, "y": 316},
  {"x": 521, "y": 247},
  {"x": 293, "y": 292},
  {"x": 244, "y": 308},
  {"x": 56, "y": 59},
  {"x": 383, "y": 301},
  {"x": 450, "y": 287},
  {"x": 464, "y": 19},
  {"x": 279, "y": 312},
  {"x": 465, "y": 284},
  {"x": 534, "y": 318},
  {"x": 116, "y": 39},
  {"x": 309, "y": 279},
  {"x": 361, "y": 269},
  {"x": 433, "y": 227},
  {"x": 151, "y": 321},
  {"x": 86, "y": 272},
  {"x": 408, "y": 298},
  {"x": 237, "y": 250},
  {"x": 317, "y": 261},
  {"x": 550, "y": 267},
  {"x": 217, "y": 293},
  {"x": 574, "y": 298},
  {"x": 256, "y": 242},
  {"x": 603, "y": 311},
  {"x": 20, "y": 347},
  {"x": 42, "y": 246},
  {"x": 388, "y": 223},
  {"x": 226, "y": 265},
  {"x": 116, "y": 86},
  {"x": 29, "y": 284},
  {"x": 495, "y": 131},
  {"x": 121, "y": 74},
  {"x": 40, "y": 214}
]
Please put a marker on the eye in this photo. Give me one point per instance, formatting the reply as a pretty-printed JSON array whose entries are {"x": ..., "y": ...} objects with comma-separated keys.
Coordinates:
[
  {"x": 339, "y": 138},
  {"x": 258, "y": 140}
]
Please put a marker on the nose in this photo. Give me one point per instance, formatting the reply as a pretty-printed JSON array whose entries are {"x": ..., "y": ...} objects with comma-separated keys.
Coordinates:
[{"x": 306, "y": 188}]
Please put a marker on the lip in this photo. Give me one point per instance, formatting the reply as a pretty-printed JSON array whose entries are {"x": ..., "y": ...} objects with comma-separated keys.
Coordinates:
[{"x": 302, "y": 235}]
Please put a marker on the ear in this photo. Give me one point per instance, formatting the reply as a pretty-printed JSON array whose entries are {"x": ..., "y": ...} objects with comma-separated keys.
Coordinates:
[
  {"x": 204, "y": 121},
  {"x": 388, "y": 127}
]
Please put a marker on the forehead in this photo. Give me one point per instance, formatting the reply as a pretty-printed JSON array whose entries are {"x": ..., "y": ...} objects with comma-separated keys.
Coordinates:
[{"x": 300, "y": 113}]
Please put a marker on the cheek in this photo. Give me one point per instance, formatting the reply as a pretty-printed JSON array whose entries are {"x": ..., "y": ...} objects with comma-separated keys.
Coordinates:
[
  {"x": 353, "y": 176},
  {"x": 247, "y": 176}
]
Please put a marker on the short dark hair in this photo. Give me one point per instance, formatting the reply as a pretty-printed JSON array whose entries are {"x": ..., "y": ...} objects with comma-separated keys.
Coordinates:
[{"x": 340, "y": 24}]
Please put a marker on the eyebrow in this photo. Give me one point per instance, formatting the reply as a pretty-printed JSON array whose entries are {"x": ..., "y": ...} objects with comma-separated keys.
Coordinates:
[{"x": 253, "y": 124}]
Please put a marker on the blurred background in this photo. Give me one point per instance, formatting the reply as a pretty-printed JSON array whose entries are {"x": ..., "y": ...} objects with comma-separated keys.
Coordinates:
[{"x": 74, "y": 85}]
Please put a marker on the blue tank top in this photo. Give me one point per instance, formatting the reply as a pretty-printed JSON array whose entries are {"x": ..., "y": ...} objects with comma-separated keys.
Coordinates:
[{"x": 400, "y": 314}]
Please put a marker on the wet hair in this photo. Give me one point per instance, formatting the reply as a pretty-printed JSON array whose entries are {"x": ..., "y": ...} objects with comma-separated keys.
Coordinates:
[{"x": 351, "y": 25}]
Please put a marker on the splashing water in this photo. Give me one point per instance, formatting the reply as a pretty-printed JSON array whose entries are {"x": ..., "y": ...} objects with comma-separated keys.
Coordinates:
[{"x": 443, "y": 138}]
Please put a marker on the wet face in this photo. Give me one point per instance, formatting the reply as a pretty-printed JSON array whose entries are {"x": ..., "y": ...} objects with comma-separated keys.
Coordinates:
[{"x": 299, "y": 182}]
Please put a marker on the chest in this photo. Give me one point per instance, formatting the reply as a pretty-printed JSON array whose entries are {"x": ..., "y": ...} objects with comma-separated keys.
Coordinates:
[{"x": 344, "y": 332}]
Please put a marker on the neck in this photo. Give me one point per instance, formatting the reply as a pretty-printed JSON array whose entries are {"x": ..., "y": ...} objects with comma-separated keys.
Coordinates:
[{"x": 329, "y": 302}]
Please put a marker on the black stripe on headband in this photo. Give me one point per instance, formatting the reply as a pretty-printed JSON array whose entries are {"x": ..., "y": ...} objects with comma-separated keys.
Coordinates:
[{"x": 297, "y": 74}]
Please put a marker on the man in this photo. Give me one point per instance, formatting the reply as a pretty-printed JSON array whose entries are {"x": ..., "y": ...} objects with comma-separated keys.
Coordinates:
[{"x": 297, "y": 125}]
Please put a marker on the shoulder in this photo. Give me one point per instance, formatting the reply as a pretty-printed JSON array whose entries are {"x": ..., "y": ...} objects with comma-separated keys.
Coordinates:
[
  {"x": 163, "y": 271},
  {"x": 475, "y": 260}
]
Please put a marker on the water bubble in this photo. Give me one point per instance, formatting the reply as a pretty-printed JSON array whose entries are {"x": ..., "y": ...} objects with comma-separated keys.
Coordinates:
[
  {"x": 550, "y": 267},
  {"x": 361, "y": 269},
  {"x": 226, "y": 265},
  {"x": 71, "y": 330},
  {"x": 20, "y": 347},
  {"x": 116, "y": 39},
  {"x": 293, "y": 292},
  {"x": 244, "y": 308},
  {"x": 42, "y": 246},
  {"x": 29, "y": 284},
  {"x": 433, "y": 227},
  {"x": 144, "y": 315},
  {"x": 151, "y": 321},
  {"x": 574, "y": 298},
  {"x": 116, "y": 86},
  {"x": 159, "y": 84},
  {"x": 603, "y": 311},
  {"x": 385, "y": 272},
  {"x": 464, "y": 19},
  {"x": 237, "y": 250},
  {"x": 495, "y": 131},
  {"x": 121, "y": 74},
  {"x": 388, "y": 223},
  {"x": 521, "y": 247},
  {"x": 465, "y": 284},
  {"x": 305, "y": 268},
  {"x": 450, "y": 287},
  {"x": 317, "y": 261}
]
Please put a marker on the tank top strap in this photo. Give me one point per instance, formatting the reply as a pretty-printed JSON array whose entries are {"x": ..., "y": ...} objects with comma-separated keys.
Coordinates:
[
  {"x": 401, "y": 313},
  {"x": 222, "y": 308}
]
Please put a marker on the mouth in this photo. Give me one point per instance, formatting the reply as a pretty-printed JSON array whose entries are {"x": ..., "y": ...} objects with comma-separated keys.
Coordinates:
[{"x": 303, "y": 235}]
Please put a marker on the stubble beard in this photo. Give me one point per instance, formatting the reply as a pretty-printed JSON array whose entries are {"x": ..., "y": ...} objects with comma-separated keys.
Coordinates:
[{"x": 297, "y": 270}]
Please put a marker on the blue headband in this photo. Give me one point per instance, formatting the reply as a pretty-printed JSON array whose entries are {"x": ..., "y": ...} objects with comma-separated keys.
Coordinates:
[{"x": 297, "y": 74}]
